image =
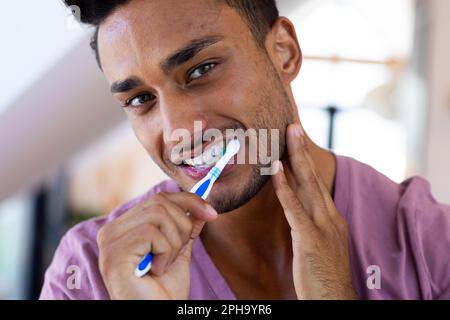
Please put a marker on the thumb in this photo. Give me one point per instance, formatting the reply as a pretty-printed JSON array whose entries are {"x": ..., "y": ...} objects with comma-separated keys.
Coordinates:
[
  {"x": 197, "y": 228},
  {"x": 186, "y": 252}
]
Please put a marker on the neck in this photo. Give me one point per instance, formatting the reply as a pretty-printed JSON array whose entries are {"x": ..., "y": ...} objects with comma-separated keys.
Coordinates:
[{"x": 258, "y": 231}]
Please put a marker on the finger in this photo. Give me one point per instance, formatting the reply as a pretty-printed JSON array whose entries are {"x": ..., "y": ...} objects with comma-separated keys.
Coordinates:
[
  {"x": 197, "y": 223},
  {"x": 186, "y": 253},
  {"x": 308, "y": 191},
  {"x": 295, "y": 214},
  {"x": 197, "y": 228},
  {"x": 290, "y": 176},
  {"x": 167, "y": 218},
  {"x": 133, "y": 219},
  {"x": 177, "y": 206},
  {"x": 193, "y": 225},
  {"x": 327, "y": 197},
  {"x": 164, "y": 221},
  {"x": 196, "y": 206},
  {"x": 302, "y": 171},
  {"x": 169, "y": 229},
  {"x": 184, "y": 221},
  {"x": 184, "y": 256},
  {"x": 142, "y": 240}
]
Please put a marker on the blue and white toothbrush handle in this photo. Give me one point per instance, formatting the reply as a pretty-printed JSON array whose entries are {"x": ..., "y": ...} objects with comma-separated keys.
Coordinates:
[{"x": 204, "y": 186}]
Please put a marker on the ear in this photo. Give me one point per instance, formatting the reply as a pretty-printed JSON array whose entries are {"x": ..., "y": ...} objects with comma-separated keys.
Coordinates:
[{"x": 284, "y": 49}]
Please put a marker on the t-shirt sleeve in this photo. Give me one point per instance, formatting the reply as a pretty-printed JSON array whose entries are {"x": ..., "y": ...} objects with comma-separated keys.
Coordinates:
[
  {"x": 73, "y": 274},
  {"x": 431, "y": 221},
  {"x": 433, "y": 237}
]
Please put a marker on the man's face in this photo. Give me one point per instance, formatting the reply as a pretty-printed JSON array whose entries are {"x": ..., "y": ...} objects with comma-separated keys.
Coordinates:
[{"x": 175, "y": 62}]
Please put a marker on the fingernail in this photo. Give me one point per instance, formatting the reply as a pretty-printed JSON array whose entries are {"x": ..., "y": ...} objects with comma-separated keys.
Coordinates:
[
  {"x": 280, "y": 165},
  {"x": 298, "y": 131},
  {"x": 276, "y": 166},
  {"x": 211, "y": 211},
  {"x": 300, "y": 134}
]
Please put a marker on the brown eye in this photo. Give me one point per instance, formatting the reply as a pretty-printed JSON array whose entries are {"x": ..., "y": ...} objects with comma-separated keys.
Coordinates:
[
  {"x": 201, "y": 71},
  {"x": 139, "y": 100}
]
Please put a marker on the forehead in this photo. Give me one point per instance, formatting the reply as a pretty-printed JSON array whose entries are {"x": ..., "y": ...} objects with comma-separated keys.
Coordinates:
[{"x": 145, "y": 31}]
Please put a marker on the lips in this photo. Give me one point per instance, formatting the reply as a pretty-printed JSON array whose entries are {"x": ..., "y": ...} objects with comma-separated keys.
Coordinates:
[
  {"x": 198, "y": 173},
  {"x": 195, "y": 173},
  {"x": 196, "y": 166},
  {"x": 199, "y": 166}
]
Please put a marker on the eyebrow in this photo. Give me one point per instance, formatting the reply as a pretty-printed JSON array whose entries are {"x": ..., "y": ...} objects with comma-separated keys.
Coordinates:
[
  {"x": 188, "y": 52},
  {"x": 125, "y": 85},
  {"x": 174, "y": 60}
]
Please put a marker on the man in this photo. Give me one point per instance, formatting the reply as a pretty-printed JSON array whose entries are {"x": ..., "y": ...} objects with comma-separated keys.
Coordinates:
[{"x": 322, "y": 227}]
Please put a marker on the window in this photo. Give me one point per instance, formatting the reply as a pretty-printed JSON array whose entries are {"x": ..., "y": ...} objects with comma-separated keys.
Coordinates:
[{"x": 356, "y": 57}]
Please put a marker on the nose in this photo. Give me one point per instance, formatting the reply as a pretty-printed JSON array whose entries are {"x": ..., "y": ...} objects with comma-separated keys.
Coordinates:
[{"x": 180, "y": 113}]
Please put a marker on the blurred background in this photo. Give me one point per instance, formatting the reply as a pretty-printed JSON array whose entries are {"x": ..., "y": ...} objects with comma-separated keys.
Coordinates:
[{"x": 375, "y": 85}]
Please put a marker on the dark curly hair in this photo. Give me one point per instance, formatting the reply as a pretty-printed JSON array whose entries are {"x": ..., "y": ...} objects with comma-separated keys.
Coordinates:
[{"x": 258, "y": 14}]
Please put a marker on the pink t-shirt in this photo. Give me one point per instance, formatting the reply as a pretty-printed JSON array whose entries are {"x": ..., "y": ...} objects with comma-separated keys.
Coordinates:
[{"x": 399, "y": 235}]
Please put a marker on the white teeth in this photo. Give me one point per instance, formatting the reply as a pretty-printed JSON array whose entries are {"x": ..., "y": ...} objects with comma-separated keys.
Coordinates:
[{"x": 207, "y": 158}]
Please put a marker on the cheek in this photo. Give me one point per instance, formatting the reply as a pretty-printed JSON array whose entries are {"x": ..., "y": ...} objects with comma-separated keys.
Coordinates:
[
  {"x": 247, "y": 88},
  {"x": 234, "y": 97},
  {"x": 148, "y": 135},
  {"x": 245, "y": 100}
]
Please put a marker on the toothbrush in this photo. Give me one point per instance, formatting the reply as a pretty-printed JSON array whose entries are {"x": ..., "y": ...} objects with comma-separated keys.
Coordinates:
[{"x": 202, "y": 189}]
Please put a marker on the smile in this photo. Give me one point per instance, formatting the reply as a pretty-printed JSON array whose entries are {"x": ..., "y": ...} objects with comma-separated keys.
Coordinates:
[{"x": 208, "y": 158}]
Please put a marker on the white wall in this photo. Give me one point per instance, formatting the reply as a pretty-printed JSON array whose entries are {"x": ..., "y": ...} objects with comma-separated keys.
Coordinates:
[
  {"x": 55, "y": 118},
  {"x": 34, "y": 35},
  {"x": 438, "y": 153}
]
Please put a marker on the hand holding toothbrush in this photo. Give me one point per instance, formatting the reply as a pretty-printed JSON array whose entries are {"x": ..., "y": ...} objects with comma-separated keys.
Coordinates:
[{"x": 159, "y": 225}]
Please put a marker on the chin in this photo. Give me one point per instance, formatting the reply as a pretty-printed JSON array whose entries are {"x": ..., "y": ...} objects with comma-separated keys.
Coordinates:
[{"x": 231, "y": 195}]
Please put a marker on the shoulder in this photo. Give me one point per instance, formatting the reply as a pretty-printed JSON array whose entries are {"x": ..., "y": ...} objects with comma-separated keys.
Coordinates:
[
  {"x": 73, "y": 273},
  {"x": 84, "y": 234},
  {"x": 360, "y": 185},
  {"x": 87, "y": 231},
  {"x": 399, "y": 226},
  {"x": 430, "y": 222}
]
